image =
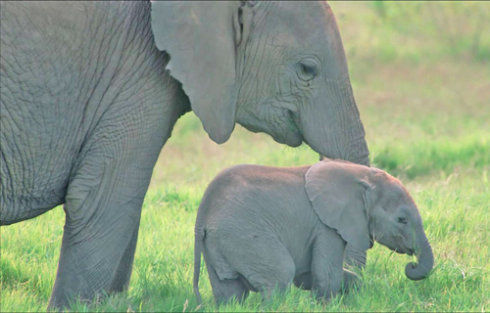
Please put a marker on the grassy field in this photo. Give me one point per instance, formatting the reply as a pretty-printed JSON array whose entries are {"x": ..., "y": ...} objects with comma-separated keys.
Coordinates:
[{"x": 421, "y": 77}]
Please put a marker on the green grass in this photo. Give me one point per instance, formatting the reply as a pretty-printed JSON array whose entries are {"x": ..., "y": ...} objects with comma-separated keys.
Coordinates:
[{"x": 425, "y": 106}]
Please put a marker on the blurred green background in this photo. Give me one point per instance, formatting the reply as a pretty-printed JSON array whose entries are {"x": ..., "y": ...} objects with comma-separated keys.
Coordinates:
[{"x": 421, "y": 77}]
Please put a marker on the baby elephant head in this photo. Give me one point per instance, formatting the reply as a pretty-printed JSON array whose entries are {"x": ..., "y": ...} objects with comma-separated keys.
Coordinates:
[{"x": 364, "y": 203}]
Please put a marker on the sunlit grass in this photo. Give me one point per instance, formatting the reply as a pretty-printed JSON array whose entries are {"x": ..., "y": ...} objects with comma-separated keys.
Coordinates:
[
  {"x": 425, "y": 157},
  {"x": 454, "y": 209},
  {"x": 427, "y": 122}
]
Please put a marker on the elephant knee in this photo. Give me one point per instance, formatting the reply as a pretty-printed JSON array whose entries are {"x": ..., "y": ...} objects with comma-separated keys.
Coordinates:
[{"x": 328, "y": 287}]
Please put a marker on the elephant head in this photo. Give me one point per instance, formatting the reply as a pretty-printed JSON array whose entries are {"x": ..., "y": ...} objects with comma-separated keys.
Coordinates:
[
  {"x": 365, "y": 204},
  {"x": 273, "y": 67}
]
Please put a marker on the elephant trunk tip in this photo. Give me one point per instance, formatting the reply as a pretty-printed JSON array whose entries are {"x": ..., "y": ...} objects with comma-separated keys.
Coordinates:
[
  {"x": 411, "y": 271},
  {"x": 425, "y": 260},
  {"x": 417, "y": 271}
]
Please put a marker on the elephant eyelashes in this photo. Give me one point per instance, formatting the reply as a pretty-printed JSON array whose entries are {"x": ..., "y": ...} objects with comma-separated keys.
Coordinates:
[
  {"x": 402, "y": 220},
  {"x": 307, "y": 70}
]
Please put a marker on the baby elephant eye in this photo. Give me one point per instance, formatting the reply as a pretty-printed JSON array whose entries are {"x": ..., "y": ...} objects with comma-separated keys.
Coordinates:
[
  {"x": 307, "y": 69},
  {"x": 402, "y": 220}
]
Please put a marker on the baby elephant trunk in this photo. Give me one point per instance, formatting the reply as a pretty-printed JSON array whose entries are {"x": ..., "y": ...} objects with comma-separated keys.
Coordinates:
[{"x": 420, "y": 270}]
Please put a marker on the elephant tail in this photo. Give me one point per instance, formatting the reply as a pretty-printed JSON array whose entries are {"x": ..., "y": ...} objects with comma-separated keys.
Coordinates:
[{"x": 198, "y": 242}]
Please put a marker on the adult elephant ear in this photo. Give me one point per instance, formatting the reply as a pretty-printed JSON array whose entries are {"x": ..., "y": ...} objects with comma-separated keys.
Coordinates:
[
  {"x": 200, "y": 39},
  {"x": 337, "y": 191}
]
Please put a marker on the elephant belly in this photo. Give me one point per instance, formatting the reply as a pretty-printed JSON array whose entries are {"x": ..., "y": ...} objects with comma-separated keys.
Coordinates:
[
  {"x": 36, "y": 160},
  {"x": 20, "y": 209},
  {"x": 38, "y": 149}
]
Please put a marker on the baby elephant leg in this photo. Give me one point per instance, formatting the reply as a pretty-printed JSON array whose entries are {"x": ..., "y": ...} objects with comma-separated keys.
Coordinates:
[
  {"x": 303, "y": 281},
  {"x": 326, "y": 264},
  {"x": 225, "y": 290},
  {"x": 350, "y": 280},
  {"x": 263, "y": 262}
]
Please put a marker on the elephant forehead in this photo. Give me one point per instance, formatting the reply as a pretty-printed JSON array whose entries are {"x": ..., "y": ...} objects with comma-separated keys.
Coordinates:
[
  {"x": 395, "y": 195},
  {"x": 301, "y": 23}
]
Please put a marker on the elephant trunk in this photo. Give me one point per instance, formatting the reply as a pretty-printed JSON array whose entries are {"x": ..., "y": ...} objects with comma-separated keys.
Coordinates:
[
  {"x": 356, "y": 147},
  {"x": 340, "y": 134},
  {"x": 360, "y": 148},
  {"x": 420, "y": 270}
]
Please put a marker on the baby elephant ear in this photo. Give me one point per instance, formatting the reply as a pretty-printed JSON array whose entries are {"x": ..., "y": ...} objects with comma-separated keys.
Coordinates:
[
  {"x": 200, "y": 39},
  {"x": 337, "y": 193}
]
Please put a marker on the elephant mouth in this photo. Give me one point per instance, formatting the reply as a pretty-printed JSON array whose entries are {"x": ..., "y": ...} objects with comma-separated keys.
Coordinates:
[
  {"x": 406, "y": 251},
  {"x": 402, "y": 250},
  {"x": 282, "y": 123},
  {"x": 291, "y": 135}
]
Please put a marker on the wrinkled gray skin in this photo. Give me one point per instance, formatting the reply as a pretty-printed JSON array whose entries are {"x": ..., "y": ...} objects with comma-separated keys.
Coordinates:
[
  {"x": 261, "y": 227},
  {"x": 87, "y": 104}
]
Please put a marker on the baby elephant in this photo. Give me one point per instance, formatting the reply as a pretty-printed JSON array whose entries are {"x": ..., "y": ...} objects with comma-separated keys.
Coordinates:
[{"x": 261, "y": 228}]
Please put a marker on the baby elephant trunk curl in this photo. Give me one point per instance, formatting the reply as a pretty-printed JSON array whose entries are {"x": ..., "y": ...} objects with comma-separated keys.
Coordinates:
[{"x": 420, "y": 270}]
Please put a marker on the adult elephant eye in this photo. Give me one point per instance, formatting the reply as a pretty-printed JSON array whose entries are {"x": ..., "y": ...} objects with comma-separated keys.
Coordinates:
[
  {"x": 402, "y": 220},
  {"x": 307, "y": 69}
]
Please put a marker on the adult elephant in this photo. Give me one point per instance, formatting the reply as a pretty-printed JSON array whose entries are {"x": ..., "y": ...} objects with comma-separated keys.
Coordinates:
[{"x": 87, "y": 104}]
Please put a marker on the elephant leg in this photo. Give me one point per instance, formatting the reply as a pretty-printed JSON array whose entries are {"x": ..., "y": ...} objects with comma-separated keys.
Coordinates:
[
  {"x": 354, "y": 258},
  {"x": 303, "y": 281},
  {"x": 103, "y": 207},
  {"x": 354, "y": 261},
  {"x": 123, "y": 272},
  {"x": 225, "y": 290},
  {"x": 326, "y": 264},
  {"x": 264, "y": 263},
  {"x": 100, "y": 233},
  {"x": 350, "y": 280}
]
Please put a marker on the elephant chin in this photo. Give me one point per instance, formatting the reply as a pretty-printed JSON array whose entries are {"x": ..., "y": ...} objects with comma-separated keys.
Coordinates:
[{"x": 291, "y": 139}]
